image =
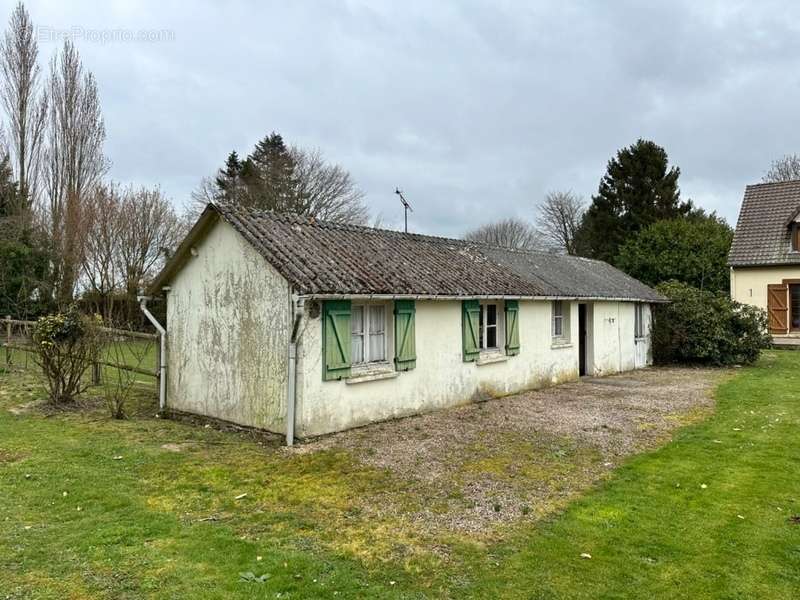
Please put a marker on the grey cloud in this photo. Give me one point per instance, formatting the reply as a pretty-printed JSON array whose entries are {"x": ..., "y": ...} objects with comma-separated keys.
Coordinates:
[{"x": 476, "y": 109}]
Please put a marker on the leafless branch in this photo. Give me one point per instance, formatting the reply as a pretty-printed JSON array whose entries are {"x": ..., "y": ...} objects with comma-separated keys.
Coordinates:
[
  {"x": 24, "y": 102},
  {"x": 786, "y": 168},
  {"x": 559, "y": 217},
  {"x": 74, "y": 163},
  {"x": 508, "y": 233}
]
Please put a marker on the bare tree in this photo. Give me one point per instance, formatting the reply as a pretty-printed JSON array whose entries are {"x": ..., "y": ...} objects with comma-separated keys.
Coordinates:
[
  {"x": 204, "y": 194},
  {"x": 101, "y": 255},
  {"x": 73, "y": 161},
  {"x": 786, "y": 168},
  {"x": 24, "y": 101},
  {"x": 559, "y": 218},
  {"x": 150, "y": 230},
  {"x": 316, "y": 188},
  {"x": 326, "y": 190},
  {"x": 509, "y": 233}
]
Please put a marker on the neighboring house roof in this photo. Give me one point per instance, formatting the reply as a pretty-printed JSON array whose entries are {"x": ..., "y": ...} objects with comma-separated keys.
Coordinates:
[
  {"x": 762, "y": 233},
  {"x": 327, "y": 259}
]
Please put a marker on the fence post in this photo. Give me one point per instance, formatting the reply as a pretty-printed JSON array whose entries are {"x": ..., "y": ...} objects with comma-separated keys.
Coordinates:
[
  {"x": 8, "y": 341},
  {"x": 95, "y": 373}
]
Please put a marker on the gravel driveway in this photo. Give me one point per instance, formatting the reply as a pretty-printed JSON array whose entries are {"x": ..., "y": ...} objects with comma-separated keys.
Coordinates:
[{"x": 474, "y": 468}]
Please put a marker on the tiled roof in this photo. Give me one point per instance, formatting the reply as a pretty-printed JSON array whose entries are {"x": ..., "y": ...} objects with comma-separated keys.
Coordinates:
[
  {"x": 320, "y": 258},
  {"x": 762, "y": 232}
]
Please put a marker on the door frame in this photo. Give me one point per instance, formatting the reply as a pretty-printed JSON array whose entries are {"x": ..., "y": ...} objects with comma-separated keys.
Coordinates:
[
  {"x": 790, "y": 283},
  {"x": 584, "y": 315}
]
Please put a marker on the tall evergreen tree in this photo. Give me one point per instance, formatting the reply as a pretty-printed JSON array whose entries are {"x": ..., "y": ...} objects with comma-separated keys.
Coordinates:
[
  {"x": 639, "y": 188},
  {"x": 24, "y": 264},
  {"x": 285, "y": 179},
  {"x": 9, "y": 193},
  {"x": 228, "y": 179},
  {"x": 269, "y": 174}
]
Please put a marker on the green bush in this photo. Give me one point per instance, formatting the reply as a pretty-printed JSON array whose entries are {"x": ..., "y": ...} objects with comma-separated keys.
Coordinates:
[
  {"x": 66, "y": 345},
  {"x": 698, "y": 326},
  {"x": 692, "y": 250}
]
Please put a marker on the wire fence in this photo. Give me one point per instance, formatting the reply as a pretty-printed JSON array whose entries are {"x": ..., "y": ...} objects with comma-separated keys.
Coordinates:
[{"x": 121, "y": 349}]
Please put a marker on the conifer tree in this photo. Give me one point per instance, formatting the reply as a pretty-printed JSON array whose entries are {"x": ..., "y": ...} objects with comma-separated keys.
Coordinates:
[{"x": 639, "y": 188}]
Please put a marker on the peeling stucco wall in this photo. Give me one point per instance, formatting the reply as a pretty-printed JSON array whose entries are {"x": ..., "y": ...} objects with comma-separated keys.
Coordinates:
[
  {"x": 440, "y": 378},
  {"x": 228, "y": 332},
  {"x": 614, "y": 347}
]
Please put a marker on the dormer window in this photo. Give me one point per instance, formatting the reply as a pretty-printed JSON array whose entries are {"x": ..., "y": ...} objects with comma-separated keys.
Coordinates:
[{"x": 795, "y": 233}]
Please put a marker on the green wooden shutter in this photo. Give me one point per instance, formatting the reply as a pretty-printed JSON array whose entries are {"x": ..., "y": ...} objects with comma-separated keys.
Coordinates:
[
  {"x": 335, "y": 339},
  {"x": 470, "y": 316},
  {"x": 405, "y": 347},
  {"x": 512, "y": 327}
]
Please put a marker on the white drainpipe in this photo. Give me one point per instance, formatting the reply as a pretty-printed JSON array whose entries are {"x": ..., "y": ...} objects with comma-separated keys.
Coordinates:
[
  {"x": 162, "y": 367},
  {"x": 291, "y": 388}
]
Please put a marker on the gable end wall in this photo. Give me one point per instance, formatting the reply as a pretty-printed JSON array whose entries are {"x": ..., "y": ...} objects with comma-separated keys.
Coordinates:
[{"x": 228, "y": 333}]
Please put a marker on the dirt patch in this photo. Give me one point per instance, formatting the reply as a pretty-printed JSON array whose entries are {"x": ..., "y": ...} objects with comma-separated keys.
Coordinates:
[
  {"x": 178, "y": 446},
  {"x": 473, "y": 468}
]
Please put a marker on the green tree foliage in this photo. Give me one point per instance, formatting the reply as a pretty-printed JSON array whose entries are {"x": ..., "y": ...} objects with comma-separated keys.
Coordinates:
[
  {"x": 265, "y": 179},
  {"x": 639, "y": 188},
  {"x": 66, "y": 344},
  {"x": 24, "y": 264},
  {"x": 9, "y": 193},
  {"x": 692, "y": 250},
  {"x": 698, "y": 326},
  {"x": 24, "y": 271},
  {"x": 285, "y": 179}
]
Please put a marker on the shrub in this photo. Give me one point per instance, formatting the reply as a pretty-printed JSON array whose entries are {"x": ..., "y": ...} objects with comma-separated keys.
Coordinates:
[
  {"x": 118, "y": 384},
  {"x": 66, "y": 345},
  {"x": 698, "y": 326},
  {"x": 692, "y": 250}
]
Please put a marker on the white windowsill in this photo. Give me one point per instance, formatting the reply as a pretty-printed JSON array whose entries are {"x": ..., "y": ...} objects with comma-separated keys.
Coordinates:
[
  {"x": 489, "y": 358},
  {"x": 560, "y": 344},
  {"x": 374, "y": 372}
]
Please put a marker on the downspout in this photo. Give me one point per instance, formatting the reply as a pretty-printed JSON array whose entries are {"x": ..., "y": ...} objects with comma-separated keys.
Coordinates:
[
  {"x": 291, "y": 388},
  {"x": 162, "y": 367}
]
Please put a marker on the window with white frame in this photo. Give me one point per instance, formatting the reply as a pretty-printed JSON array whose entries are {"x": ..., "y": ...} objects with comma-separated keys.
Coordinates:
[
  {"x": 560, "y": 326},
  {"x": 639, "y": 327},
  {"x": 368, "y": 333},
  {"x": 490, "y": 325}
]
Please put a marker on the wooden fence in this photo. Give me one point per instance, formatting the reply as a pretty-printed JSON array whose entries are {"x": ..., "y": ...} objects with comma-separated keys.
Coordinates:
[{"x": 19, "y": 337}]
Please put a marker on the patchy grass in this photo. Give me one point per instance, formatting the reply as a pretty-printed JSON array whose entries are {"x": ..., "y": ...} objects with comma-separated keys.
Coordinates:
[{"x": 93, "y": 508}]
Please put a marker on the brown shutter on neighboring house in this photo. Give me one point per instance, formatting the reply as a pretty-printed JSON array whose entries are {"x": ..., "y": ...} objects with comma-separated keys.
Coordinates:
[{"x": 778, "y": 307}]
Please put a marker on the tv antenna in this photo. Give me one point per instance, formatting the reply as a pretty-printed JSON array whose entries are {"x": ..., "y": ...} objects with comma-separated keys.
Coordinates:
[{"x": 406, "y": 207}]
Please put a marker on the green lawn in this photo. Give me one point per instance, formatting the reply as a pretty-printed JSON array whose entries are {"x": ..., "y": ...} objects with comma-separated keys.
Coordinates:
[{"x": 96, "y": 508}]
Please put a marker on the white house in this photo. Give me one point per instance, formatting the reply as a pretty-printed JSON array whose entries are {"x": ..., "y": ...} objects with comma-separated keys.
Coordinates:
[{"x": 294, "y": 325}]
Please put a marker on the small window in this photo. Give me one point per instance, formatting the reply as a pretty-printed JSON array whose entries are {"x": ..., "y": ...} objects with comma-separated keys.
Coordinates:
[
  {"x": 368, "y": 333},
  {"x": 488, "y": 327},
  {"x": 560, "y": 321},
  {"x": 796, "y": 237},
  {"x": 638, "y": 322}
]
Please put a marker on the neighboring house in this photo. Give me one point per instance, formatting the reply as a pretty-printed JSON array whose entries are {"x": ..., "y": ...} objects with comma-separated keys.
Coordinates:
[
  {"x": 383, "y": 324},
  {"x": 765, "y": 256}
]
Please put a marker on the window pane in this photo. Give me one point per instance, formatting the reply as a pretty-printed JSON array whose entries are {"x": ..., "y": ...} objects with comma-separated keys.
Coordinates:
[
  {"x": 491, "y": 314},
  {"x": 357, "y": 348},
  {"x": 558, "y": 329},
  {"x": 377, "y": 347},
  {"x": 377, "y": 321},
  {"x": 491, "y": 336},
  {"x": 357, "y": 319},
  {"x": 558, "y": 308}
]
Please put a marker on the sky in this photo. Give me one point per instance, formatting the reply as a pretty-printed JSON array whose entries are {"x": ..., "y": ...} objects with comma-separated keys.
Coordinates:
[{"x": 474, "y": 109}]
